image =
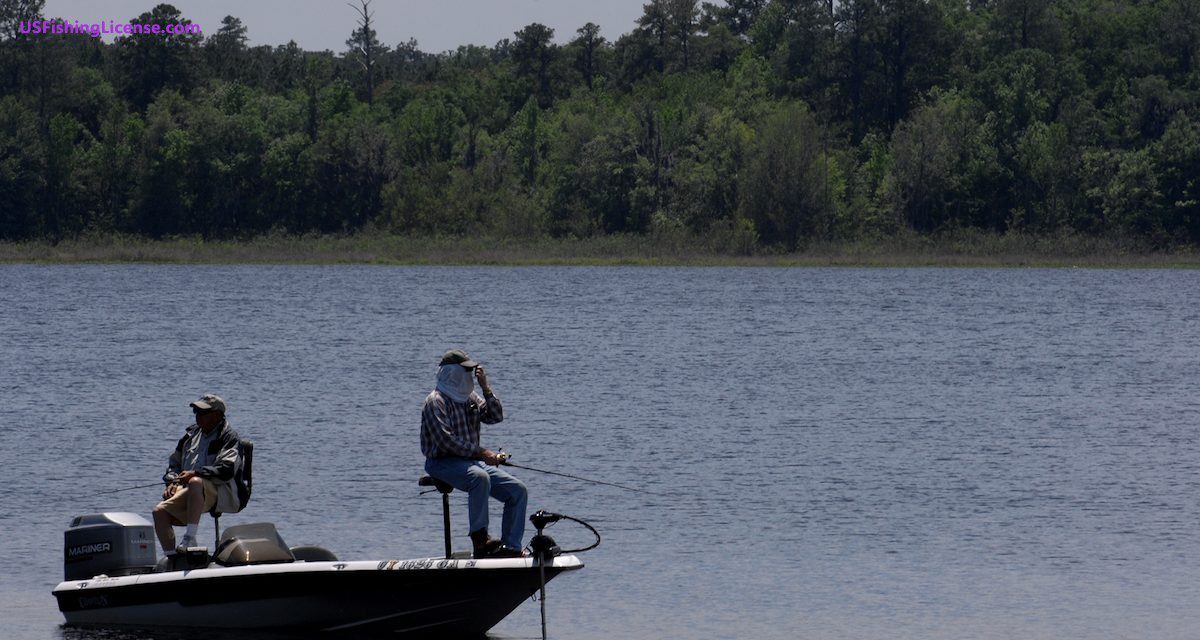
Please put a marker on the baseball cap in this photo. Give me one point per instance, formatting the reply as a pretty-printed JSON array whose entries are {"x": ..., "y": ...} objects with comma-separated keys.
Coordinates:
[
  {"x": 458, "y": 356},
  {"x": 208, "y": 402}
]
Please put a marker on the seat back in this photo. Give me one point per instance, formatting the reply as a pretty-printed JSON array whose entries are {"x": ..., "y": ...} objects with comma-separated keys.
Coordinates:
[{"x": 244, "y": 479}]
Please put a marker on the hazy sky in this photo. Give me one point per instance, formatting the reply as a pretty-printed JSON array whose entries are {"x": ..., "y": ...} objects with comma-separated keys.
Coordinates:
[{"x": 438, "y": 25}]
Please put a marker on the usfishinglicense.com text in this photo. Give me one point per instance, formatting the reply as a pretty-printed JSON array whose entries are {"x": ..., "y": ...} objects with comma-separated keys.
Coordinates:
[{"x": 97, "y": 29}]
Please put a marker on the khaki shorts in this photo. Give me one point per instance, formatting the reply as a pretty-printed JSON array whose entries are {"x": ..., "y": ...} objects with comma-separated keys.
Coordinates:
[{"x": 176, "y": 505}]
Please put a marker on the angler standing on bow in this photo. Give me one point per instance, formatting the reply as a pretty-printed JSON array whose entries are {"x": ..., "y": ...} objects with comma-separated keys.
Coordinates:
[{"x": 450, "y": 422}]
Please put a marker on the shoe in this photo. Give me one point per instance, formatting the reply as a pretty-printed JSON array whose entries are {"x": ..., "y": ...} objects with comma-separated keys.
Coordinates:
[
  {"x": 505, "y": 551},
  {"x": 188, "y": 541},
  {"x": 483, "y": 544}
]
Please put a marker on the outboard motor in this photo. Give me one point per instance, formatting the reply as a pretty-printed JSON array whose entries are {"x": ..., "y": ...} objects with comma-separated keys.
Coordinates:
[{"x": 113, "y": 544}]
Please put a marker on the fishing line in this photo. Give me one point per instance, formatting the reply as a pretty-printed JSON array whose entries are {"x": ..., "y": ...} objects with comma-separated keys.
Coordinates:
[
  {"x": 140, "y": 486},
  {"x": 508, "y": 463}
]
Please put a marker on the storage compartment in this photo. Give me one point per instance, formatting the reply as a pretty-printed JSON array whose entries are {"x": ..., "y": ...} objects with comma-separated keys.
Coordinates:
[{"x": 257, "y": 543}]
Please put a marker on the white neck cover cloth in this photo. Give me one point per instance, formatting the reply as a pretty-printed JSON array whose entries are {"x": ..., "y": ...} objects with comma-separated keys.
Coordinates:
[{"x": 455, "y": 382}]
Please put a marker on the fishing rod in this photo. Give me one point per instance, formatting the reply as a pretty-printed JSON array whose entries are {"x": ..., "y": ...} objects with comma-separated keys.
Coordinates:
[
  {"x": 140, "y": 486},
  {"x": 507, "y": 462}
]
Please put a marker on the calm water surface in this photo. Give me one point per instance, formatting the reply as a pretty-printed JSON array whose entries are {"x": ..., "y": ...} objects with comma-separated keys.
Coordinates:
[{"x": 857, "y": 454}]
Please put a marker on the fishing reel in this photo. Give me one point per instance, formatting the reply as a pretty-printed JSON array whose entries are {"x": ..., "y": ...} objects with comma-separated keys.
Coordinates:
[{"x": 543, "y": 546}]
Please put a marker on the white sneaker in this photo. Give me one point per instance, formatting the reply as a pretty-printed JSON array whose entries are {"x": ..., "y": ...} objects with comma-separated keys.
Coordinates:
[{"x": 188, "y": 541}]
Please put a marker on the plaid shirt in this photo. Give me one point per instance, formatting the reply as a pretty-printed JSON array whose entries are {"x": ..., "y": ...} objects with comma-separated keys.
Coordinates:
[{"x": 451, "y": 428}]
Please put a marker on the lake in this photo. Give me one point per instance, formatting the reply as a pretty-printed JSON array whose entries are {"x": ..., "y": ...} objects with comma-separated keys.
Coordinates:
[{"x": 835, "y": 453}]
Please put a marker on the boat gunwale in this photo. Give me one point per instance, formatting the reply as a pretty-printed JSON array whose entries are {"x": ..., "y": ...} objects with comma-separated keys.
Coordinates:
[{"x": 560, "y": 563}]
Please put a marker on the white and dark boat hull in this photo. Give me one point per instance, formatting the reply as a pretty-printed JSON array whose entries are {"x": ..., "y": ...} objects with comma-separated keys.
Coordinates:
[{"x": 434, "y": 596}]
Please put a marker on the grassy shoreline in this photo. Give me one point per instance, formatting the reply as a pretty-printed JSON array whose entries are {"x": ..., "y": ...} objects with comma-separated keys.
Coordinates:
[{"x": 951, "y": 250}]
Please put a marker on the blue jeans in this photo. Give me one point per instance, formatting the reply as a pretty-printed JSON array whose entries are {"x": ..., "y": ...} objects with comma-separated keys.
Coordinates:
[{"x": 479, "y": 481}]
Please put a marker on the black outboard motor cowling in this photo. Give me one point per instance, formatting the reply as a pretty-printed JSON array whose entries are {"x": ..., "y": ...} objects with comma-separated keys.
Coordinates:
[{"x": 112, "y": 544}]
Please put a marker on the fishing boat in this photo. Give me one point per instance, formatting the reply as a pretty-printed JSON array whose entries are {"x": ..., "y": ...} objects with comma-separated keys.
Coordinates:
[{"x": 253, "y": 580}]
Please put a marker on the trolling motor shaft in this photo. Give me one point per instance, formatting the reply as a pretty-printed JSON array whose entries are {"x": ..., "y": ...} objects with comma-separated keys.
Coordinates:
[{"x": 544, "y": 550}]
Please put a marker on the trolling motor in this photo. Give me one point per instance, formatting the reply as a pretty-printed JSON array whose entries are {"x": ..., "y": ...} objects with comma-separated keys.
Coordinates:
[
  {"x": 545, "y": 549},
  {"x": 542, "y": 545}
]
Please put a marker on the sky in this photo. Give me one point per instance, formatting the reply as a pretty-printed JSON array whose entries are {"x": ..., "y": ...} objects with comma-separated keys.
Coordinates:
[{"x": 437, "y": 25}]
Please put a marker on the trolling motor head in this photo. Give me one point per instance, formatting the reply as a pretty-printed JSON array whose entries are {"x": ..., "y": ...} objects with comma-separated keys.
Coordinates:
[
  {"x": 543, "y": 518},
  {"x": 543, "y": 546}
]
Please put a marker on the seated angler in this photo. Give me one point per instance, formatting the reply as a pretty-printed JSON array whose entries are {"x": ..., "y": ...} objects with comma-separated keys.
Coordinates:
[
  {"x": 200, "y": 475},
  {"x": 450, "y": 422}
]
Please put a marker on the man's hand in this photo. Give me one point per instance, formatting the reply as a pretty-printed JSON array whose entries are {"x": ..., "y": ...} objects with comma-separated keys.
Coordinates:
[
  {"x": 181, "y": 481},
  {"x": 493, "y": 458},
  {"x": 481, "y": 377}
]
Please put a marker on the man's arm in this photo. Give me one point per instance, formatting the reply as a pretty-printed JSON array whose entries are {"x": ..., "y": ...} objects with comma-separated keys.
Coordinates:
[
  {"x": 491, "y": 410},
  {"x": 175, "y": 462}
]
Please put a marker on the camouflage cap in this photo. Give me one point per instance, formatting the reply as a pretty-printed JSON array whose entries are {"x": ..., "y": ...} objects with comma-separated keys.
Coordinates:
[
  {"x": 208, "y": 402},
  {"x": 458, "y": 356}
]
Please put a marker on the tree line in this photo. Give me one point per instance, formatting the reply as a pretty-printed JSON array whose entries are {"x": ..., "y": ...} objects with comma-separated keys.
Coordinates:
[{"x": 750, "y": 123}]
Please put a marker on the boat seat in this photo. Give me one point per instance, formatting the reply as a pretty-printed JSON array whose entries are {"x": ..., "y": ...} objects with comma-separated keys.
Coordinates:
[
  {"x": 445, "y": 489},
  {"x": 440, "y": 485},
  {"x": 246, "y": 451}
]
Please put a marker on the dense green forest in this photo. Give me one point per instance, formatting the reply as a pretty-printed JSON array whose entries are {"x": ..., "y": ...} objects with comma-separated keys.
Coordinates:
[{"x": 747, "y": 124}]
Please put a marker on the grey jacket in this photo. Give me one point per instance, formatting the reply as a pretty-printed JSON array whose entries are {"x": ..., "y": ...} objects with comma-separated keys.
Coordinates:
[{"x": 219, "y": 464}]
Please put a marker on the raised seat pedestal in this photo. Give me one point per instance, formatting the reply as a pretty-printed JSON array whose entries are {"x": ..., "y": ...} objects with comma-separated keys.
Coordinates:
[{"x": 445, "y": 489}]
